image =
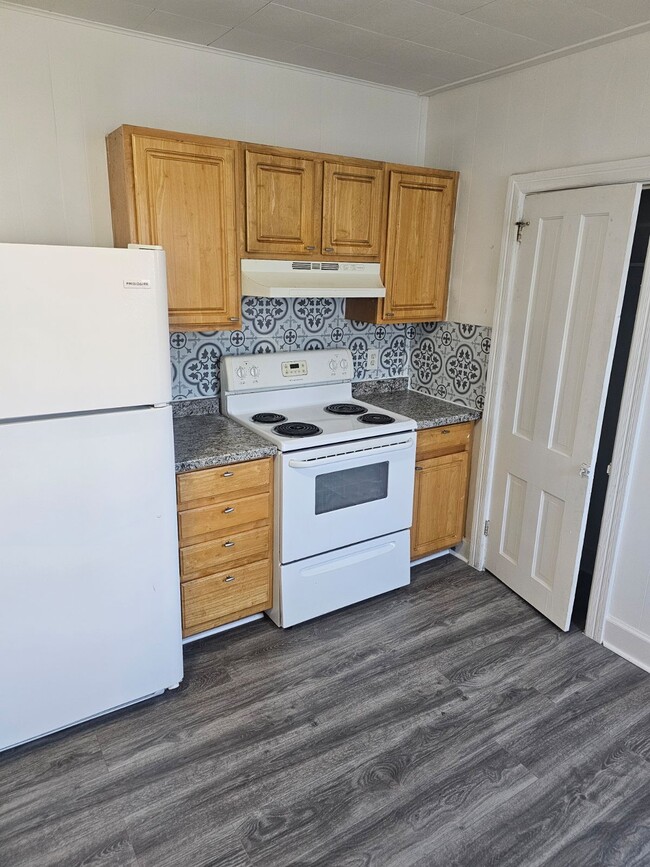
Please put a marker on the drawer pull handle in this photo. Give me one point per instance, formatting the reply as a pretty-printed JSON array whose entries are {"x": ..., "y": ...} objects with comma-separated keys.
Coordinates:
[
  {"x": 419, "y": 469},
  {"x": 228, "y": 475},
  {"x": 446, "y": 431},
  {"x": 233, "y": 319},
  {"x": 228, "y": 544},
  {"x": 309, "y": 247},
  {"x": 228, "y": 579},
  {"x": 389, "y": 315},
  {"x": 229, "y": 510},
  {"x": 329, "y": 249}
]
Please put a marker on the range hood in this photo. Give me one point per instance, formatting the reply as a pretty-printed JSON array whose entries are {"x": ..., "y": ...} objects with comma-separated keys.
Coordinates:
[{"x": 272, "y": 278}]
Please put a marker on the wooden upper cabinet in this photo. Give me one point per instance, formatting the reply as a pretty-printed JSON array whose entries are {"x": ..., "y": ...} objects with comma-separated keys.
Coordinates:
[
  {"x": 418, "y": 246},
  {"x": 353, "y": 210},
  {"x": 180, "y": 192},
  {"x": 283, "y": 204}
]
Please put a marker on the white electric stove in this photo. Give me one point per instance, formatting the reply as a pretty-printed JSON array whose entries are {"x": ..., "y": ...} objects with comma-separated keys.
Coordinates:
[{"x": 343, "y": 479}]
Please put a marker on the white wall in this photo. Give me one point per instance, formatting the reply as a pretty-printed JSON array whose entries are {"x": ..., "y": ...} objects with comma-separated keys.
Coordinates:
[
  {"x": 627, "y": 623},
  {"x": 65, "y": 84},
  {"x": 587, "y": 107}
]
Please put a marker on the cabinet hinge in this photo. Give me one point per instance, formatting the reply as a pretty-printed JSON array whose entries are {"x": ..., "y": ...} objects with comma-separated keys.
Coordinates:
[
  {"x": 521, "y": 225},
  {"x": 486, "y": 528}
]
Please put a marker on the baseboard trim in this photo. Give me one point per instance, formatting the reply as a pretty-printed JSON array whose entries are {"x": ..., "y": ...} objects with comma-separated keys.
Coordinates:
[
  {"x": 431, "y": 557},
  {"x": 628, "y": 642},
  {"x": 224, "y": 628}
]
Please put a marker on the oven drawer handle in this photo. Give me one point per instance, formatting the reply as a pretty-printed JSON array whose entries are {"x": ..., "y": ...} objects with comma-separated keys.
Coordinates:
[
  {"x": 348, "y": 560},
  {"x": 352, "y": 456}
]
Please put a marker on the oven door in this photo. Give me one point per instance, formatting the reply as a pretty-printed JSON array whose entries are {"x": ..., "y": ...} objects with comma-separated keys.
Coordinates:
[{"x": 334, "y": 496}]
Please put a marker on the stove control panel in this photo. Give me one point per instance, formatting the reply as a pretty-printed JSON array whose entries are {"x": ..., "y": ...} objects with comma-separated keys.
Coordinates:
[
  {"x": 242, "y": 373},
  {"x": 294, "y": 368}
]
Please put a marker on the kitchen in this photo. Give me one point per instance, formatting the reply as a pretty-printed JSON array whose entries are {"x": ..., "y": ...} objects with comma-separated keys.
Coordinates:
[{"x": 334, "y": 116}]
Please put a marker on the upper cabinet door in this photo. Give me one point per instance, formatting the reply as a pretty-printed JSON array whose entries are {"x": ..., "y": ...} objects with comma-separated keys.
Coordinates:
[
  {"x": 353, "y": 210},
  {"x": 181, "y": 195},
  {"x": 282, "y": 204},
  {"x": 418, "y": 245}
]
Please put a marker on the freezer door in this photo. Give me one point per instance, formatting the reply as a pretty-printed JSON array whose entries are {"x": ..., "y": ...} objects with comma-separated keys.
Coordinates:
[
  {"x": 81, "y": 329},
  {"x": 89, "y": 583}
]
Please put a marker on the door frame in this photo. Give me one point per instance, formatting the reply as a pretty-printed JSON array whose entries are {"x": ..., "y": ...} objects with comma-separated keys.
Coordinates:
[{"x": 519, "y": 186}]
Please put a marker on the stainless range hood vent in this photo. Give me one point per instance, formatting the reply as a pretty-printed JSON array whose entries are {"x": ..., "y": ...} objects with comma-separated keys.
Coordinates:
[{"x": 272, "y": 278}]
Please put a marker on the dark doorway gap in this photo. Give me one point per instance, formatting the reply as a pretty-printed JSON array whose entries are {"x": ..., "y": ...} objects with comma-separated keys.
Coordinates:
[{"x": 612, "y": 410}]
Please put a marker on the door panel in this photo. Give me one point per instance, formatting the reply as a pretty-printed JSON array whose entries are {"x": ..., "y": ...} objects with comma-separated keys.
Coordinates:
[
  {"x": 282, "y": 205},
  {"x": 353, "y": 198},
  {"x": 568, "y": 291},
  {"x": 418, "y": 246}
]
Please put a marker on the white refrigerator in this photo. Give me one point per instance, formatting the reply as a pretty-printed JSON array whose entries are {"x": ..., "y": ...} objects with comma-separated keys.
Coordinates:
[{"x": 89, "y": 584}]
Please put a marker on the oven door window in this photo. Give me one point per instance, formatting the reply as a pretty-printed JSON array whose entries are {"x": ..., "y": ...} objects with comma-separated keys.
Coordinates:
[{"x": 351, "y": 487}]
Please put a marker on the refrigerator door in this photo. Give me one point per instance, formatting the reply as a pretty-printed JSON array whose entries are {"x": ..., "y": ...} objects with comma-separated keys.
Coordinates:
[
  {"x": 89, "y": 584},
  {"x": 81, "y": 329}
]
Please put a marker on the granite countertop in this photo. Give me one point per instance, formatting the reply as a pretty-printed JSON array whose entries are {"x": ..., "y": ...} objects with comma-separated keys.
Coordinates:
[
  {"x": 427, "y": 411},
  {"x": 209, "y": 440}
]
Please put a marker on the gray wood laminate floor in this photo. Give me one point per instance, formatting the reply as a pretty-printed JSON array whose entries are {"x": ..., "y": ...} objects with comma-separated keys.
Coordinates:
[{"x": 444, "y": 724}]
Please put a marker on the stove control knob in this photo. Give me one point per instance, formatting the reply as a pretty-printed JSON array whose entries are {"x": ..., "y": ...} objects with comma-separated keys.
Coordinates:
[
  {"x": 255, "y": 371},
  {"x": 344, "y": 364},
  {"x": 241, "y": 373},
  {"x": 333, "y": 364}
]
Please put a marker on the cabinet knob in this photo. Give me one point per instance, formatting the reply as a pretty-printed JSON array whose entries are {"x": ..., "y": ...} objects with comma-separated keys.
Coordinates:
[
  {"x": 228, "y": 579},
  {"x": 228, "y": 544},
  {"x": 445, "y": 431},
  {"x": 389, "y": 315},
  {"x": 229, "y": 510},
  {"x": 228, "y": 474},
  {"x": 309, "y": 248},
  {"x": 329, "y": 249},
  {"x": 419, "y": 469},
  {"x": 233, "y": 319}
]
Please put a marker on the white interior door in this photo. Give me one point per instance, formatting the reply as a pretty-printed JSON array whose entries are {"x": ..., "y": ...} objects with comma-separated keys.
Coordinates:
[{"x": 568, "y": 291}]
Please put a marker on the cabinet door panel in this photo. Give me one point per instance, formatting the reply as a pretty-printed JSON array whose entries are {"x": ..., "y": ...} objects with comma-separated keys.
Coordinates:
[
  {"x": 282, "y": 205},
  {"x": 353, "y": 199},
  {"x": 185, "y": 201},
  {"x": 418, "y": 246},
  {"x": 439, "y": 503}
]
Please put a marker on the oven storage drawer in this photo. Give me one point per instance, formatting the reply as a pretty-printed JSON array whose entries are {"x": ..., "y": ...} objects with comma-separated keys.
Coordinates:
[
  {"x": 225, "y": 596},
  {"x": 326, "y": 582},
  {"x": 226, "y": 551}
]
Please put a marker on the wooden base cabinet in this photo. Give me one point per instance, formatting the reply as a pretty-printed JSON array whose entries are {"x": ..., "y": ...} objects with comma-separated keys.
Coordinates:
[
  {"x": 179, "y": 192},
  {"x": 225, "y": 535},
  {"x": 441, "y": 482}
]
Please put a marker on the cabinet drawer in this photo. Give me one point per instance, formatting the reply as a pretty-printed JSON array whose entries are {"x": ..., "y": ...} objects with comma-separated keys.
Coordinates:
[
  {"x": 443, "y": 440},
  {"x": 231, "y": 549},
  {"x": 226, "y": 596},
  {"x": 224, "y": 515},
  {"x": 231, "y": 480}
]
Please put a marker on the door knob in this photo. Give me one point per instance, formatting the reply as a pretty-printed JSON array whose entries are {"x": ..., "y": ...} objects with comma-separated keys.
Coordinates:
[{"x": 584, "y": 472}]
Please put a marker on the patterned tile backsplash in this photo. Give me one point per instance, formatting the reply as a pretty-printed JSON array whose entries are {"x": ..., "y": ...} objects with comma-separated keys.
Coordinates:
[
  {"x": 449, "y": 360},
  {"x": 282, "y": 324}
]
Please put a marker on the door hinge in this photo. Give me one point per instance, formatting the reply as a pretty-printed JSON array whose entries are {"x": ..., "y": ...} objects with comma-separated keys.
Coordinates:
[
  {"x": 486, "y": 528},
  {"x": 521, "y": 225}
]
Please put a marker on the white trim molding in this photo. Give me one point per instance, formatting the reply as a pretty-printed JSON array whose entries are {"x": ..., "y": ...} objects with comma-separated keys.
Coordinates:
[
  {"x": 519, "y": 186},
  {"x": 627, "y": 641}
]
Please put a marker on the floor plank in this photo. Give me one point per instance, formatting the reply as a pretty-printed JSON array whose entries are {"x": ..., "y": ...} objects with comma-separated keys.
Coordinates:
[{"x": 447, "y": 723}]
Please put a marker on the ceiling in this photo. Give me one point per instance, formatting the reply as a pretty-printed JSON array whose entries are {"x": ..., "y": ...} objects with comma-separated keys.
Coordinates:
[{"x": 418, "y": 45}]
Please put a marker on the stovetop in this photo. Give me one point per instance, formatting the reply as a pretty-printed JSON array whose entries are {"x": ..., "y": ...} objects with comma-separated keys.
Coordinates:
[
  {"x": 329, "y": 428},
  {"x": 278, "y": 406}
]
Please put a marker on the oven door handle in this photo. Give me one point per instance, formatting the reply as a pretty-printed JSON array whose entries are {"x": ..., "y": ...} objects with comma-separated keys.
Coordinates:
[
  {"x": 348, "y": 560},
  {"x": 351, "y": 456}
]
